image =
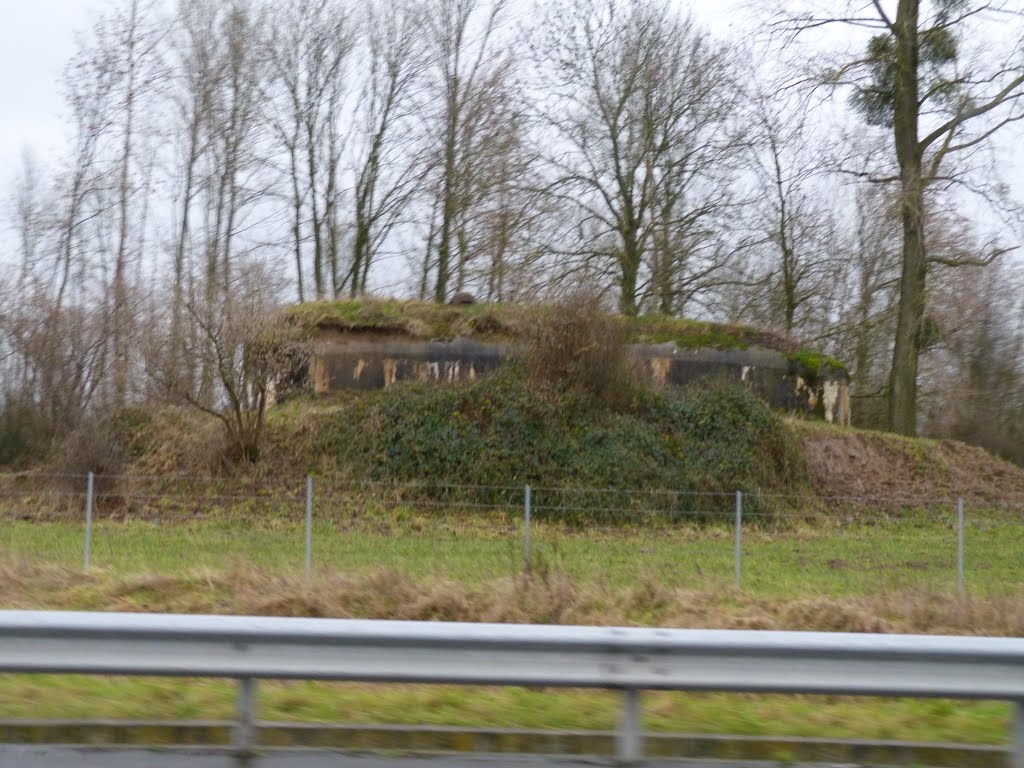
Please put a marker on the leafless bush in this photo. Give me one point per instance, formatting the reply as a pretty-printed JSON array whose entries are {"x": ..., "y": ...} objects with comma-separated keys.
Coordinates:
[
  {"x": 53, "y": 357},
  {"x": 91, "y": 447},
  {"x": 238, "y": 349},
  {"x": 576, "y": 347}
]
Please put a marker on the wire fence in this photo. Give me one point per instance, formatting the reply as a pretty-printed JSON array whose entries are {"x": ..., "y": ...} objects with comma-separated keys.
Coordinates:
[{"x": 769, "y": 542}]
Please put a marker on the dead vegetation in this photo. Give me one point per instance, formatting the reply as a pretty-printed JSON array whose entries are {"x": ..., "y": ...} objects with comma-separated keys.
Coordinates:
[
  {"x": 577, "y": 347},
  {"x": 863, "y": 463},
  {"x": 388, "y": 594}
]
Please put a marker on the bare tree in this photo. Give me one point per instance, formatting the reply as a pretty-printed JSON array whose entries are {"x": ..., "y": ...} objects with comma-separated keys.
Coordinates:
[
  {"x": 42, "y": 390},
  {"x": 52, "y": 363},
  {"x": 864, "y": 330},
  {"x": 233, "y": 169},
  {"x": 90, "y": 82},
  {"x": 31, "y": 221},
  {"x": 309, "y": 46},
  {"x": 193, "y": 59},
  {"x": 465, "y": 59},
  {"x": 639, "y": 103},
  {"x": 511, "y": 232},
  {"x": 387, "y": 164},
  {"x": 135, "y": 36},
  {"x": 796, "y": 232},
  {"x": 110, "y": 84},
  {"x": 972, "y": 378},
  {"x": 919, "y": 78},
  {"x": 235, "y": 162},
  {"x": 496, "y": 186},
  {"x": 248, "y": 345}
]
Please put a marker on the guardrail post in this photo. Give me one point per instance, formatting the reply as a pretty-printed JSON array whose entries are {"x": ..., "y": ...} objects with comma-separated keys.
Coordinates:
[
  {"x": 630, "y": 748},
  {"x": 527, "y": 500},
  {"x": 90, "y": 486},
  {"x": 245, "y": 726},
  {"x": 1017, "y": 737},
  {"x": 309, "y": 526},
  {"x": 960, "y": 545},
  {"x": 739, "y": 534}
]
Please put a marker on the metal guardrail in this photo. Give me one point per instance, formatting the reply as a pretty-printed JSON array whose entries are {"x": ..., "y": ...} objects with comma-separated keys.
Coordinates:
[{"x": 626, "y": 659}]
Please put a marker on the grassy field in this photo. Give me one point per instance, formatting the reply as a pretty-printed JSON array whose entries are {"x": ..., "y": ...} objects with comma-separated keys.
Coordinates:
[
  {"x": 88, "y": 698},
  {"x": 787, "y": 561},
  {"x": 881, "y": 574}
]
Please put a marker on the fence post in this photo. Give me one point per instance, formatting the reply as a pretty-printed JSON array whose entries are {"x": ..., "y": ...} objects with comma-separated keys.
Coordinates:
[
  {"x": 739, "y": 534},
  {"x": 527, "y": 500},
  {"x": 89, "y": 489},
  {"x": 630, "y": 748},
  {"x": 960, "y": 545},
  {"x": 245, "y": 726},
  {"x": 309, "y": 526}
]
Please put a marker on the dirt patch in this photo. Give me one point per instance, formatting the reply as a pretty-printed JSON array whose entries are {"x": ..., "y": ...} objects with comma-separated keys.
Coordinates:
[{"x": 857, "y": 463}]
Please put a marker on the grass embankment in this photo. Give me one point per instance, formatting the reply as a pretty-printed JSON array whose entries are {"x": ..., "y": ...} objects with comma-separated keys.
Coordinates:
[
  {"x": 892, "y": 577},
  {"x": 550, "y": 598},
  {"x": 301, "y": 702}
]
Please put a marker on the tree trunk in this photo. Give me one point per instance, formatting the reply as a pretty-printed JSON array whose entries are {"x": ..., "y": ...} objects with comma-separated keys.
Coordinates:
[
  {"x": 444, "y": 247},
  {"x": 630, "y": 265},
  {"x": 365, "y": 214},
  {"x": 903, "y": 376},
  {"x": 316, "y": 223},
  {"x": 296, "y": 217},
  {"x": 119, "y": 313},
  {"x": 448, "y": 201}
]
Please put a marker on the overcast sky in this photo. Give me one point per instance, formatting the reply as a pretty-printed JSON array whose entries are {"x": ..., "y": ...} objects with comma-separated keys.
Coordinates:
[{"x": 37, "y": 37}]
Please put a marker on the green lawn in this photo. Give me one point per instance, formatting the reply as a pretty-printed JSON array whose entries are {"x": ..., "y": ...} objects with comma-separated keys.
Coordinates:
[
  {"x": 73, "y": 697},
  {"x": 784, "y": 562}
]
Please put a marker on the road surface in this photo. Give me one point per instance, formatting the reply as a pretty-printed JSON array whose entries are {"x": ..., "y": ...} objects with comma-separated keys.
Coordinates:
[{"x": 33, "y": 756}]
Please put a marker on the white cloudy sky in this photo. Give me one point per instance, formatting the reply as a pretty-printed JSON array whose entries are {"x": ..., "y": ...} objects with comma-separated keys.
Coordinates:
[
  {"x": 36, "y": 39},
  {"x": 38, "y": 36}
]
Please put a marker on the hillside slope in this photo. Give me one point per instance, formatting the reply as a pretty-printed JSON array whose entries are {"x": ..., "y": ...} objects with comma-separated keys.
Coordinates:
[
  {"x": 504, "y": 431},
  {"x": 850, "y": 462}
]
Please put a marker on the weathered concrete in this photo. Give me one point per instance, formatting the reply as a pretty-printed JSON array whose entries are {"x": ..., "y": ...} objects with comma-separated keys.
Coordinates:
[
  {"x": 360, "y": 361},
  {"x": 375, "y": 361}
]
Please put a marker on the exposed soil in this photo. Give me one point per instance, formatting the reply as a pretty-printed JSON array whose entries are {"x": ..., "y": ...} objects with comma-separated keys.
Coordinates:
[{"x": 856, "y": 463}]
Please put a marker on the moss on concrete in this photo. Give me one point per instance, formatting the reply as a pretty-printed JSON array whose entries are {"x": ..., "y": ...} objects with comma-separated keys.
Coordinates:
[{"x": 511, "y": 322}]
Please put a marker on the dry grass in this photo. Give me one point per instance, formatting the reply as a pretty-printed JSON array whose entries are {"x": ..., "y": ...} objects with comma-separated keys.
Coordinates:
[
  {"x": 867, "y": 463},
  {"x": 387, "y": 594}
]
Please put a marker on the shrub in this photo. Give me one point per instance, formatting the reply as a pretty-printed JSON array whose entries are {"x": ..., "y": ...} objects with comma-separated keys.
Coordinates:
[
  {"x": 577, "y": 348},
  {"x": 23, "y": 433},
  {"x": 500, "y": 431},
  {"x": 92, "y": 447},
  {"x": 245, "y": 353}
]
